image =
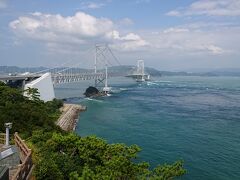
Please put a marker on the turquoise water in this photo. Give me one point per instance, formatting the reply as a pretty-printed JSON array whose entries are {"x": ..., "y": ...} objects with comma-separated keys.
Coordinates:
[{"x": 196, "y": 119}]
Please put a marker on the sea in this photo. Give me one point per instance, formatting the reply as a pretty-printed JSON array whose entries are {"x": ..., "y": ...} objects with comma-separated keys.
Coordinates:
[{"x": 189, "y": 118}]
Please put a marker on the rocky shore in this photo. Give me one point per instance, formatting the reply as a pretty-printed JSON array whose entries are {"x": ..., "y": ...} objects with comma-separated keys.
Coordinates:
[{"x": 69, "y": 118}]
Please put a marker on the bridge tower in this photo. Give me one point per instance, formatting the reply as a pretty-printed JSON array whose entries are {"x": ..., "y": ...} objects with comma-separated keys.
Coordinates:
[
  {"x": 100, "y": 61},
  {"x": 140, "y": 67}
]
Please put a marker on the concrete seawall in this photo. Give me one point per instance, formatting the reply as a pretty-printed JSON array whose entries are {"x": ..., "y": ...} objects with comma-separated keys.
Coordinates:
[{"x": 68, "y": 119}]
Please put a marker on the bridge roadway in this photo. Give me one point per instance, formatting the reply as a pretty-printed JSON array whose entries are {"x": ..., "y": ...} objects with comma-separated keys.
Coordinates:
[
  {"x": 68, "y": 78},
  {"x": 19, "y": 77},
  {"x": 75, "y": 77},
  {"x": 59, "y": 78}
]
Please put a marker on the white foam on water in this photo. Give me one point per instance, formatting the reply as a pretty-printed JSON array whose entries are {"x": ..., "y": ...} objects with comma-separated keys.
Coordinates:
[
  {"x": 152, "y": 83},
  {"x": 123, "y": 89},
  {"x": 96, "y": 100},
  {"x": 161, "y": 81}
]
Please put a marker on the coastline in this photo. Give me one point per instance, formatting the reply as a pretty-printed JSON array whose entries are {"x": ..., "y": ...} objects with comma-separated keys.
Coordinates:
[{"x": 69, "y": 117}]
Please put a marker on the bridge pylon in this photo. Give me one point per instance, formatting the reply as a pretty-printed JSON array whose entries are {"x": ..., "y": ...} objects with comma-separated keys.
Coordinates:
[
  {"x": 101, "y": 61},
  {"x": 140, "y": 67}
]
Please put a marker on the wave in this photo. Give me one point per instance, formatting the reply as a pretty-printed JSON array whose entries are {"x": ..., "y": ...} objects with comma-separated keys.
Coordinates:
[
  {"x": 152, "y": 83},
  {"x": 161, "y": 81},
  {"x": 95, "y": 100},
  {"x": 118, "y": 90}
]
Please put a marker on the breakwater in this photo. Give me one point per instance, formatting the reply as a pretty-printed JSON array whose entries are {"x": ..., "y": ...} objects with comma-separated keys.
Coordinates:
[{"x": 70, "y": 112}]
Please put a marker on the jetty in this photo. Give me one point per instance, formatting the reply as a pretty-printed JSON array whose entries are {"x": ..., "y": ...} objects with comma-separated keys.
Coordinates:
[{"x": 69, "y": 118}]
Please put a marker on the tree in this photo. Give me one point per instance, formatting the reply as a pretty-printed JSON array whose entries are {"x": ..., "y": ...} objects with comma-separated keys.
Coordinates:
[
  {"x": 33, "y": 94},
  {"x": 26, "y": 114},
  {"x": 93, "y": 158}
]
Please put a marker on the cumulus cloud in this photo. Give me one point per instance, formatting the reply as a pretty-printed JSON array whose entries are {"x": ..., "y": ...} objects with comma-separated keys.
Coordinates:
[
  {"x": 82, "y": 25},
  {"x": 129, "y": 42},
  {"x": 192, "y": 41},
  {"x": 69, "y": 34},
  {"x": 80, "y": 28},
  {"x": 209, "y": 8}
]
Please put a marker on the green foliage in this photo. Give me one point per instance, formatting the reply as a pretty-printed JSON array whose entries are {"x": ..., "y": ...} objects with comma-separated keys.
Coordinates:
[
  {"x": 93, "y": 158},
  {"x": 48, "y": 170},
  {"x": 169, "y": 171},
  {"x": 26, "y": 114},
  {"x": 33, "y": 94}
]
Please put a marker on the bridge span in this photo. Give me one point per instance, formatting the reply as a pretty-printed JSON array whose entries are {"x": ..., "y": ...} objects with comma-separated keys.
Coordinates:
[
  {"x": 27, "y": 77},
  {"x": 45, "y": 80}
]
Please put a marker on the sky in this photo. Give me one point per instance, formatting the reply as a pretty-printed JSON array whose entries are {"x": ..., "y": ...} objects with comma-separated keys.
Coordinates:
[{"x": 175, "y": 35}]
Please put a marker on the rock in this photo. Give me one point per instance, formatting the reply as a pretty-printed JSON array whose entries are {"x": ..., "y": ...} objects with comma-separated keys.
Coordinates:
[{"x": 91, "y": 91}]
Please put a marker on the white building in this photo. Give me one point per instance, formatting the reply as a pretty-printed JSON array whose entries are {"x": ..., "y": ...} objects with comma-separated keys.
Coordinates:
[{"x": 44, "y": 85}]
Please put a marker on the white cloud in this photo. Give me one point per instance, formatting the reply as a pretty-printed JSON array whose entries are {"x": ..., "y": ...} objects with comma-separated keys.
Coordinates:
[
  {"x": 129, "y": 46},
  {"x": 128, "y": 42},
  {"x": 131, "y": 37},
  {"x": 176, "y": 30},
  {"x": 209, "y": 8},
  {"x": 56, "y": 31},
  {"x": 78, "y": 29},
  {"x": 214, "y": 49},
  {"x": 81, "y": 24},
  {"x": 125, "y": 22},
  {"x": 70, "y": 35},
  {"x": 92, "y": 5},
  {"x": 173, "y": 13},
  {"x": 186, "y": 41},
  {"x": 3, "y": 4}
]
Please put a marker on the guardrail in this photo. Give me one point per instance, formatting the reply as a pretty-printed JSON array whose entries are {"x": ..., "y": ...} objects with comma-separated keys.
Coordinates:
[
  {"x": 24, "y": 170},
  {"x": 2, "y": 138}
]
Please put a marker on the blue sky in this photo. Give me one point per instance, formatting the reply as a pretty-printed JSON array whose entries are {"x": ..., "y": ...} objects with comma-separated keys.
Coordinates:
[{"x": 167, "y": 34}]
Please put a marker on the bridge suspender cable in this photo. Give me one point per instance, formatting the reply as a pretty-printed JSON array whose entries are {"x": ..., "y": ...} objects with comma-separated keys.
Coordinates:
[{"x": 113, "y": 56}]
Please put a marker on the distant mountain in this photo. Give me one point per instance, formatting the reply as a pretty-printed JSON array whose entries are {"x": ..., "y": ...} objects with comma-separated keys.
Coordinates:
[
  {"x": 155, "y": 72},
  {"x": 127, "y": 69},
  {"x": 15, "y": 69},
  {"x": 130, "y": 69},
  {"x": 210, "y": 73}
]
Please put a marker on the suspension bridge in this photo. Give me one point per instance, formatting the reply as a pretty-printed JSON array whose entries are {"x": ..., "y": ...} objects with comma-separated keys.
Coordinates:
[
  {"x": 46, "y": 79},
  {"x": 102, "y": 60}
]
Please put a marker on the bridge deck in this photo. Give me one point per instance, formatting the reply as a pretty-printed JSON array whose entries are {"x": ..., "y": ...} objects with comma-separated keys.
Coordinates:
[{"x": 18, "y": 77}]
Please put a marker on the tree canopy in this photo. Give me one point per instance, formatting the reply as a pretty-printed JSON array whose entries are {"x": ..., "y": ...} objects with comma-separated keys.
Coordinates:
[
  {"x": 70, "y": 156},
  {"x": 26, "y": 114}
]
